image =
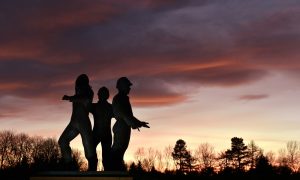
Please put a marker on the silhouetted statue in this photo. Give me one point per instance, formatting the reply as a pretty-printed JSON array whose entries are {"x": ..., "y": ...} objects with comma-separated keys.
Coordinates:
[
  {"x": 125, "y": 121},
  {"x": 103, "y": 112},
  {"x": 79, "y": 124}
]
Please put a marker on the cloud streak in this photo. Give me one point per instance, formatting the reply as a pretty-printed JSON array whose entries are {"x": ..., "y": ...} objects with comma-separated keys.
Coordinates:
[{"x": 251, "y": 97}]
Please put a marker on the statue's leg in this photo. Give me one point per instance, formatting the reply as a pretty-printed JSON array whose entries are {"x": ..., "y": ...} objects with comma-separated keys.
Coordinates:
[
  {"x": 64, "y": 142},
  {"x": 120, "y": 145},
  {"x": 106, "y": 151},
  {"x": 96, "y": 139},
  {"x": 89, "y": 147}
]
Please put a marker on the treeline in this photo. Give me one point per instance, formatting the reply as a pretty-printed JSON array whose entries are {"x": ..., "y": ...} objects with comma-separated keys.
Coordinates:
[
  {"x": 22, "y": 155},
  {"x": 239, "y": 160}
]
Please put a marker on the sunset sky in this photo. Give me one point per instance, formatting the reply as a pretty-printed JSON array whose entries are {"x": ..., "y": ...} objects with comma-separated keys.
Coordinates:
[{"x": 202, "y": 70}]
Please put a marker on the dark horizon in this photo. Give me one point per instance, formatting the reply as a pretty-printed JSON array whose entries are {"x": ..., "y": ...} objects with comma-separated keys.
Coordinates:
[{"x": 31, "y": 154}]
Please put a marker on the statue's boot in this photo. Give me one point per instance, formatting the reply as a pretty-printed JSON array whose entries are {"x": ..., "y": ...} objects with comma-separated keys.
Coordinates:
[{"x": 92, "y": 162}]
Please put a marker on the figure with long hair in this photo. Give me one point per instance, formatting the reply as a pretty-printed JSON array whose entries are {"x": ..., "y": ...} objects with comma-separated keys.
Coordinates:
[{"x": 79, "y": 124}]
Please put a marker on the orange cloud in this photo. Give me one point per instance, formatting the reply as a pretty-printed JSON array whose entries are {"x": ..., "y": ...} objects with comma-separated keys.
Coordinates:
[
  {"x": 12, "y": 86},
  {"x": 157, "y": 101}
]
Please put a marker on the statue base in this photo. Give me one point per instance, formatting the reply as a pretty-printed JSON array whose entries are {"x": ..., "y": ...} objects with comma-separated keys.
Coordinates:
[{"x": 88, "y": 175}]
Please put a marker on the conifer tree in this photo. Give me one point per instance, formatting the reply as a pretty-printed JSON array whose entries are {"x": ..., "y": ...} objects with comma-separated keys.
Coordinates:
[{"x": 182, "y": 157}]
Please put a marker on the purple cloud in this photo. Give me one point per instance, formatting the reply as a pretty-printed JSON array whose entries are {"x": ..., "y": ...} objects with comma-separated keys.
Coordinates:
[{"x": 159, "y": 44}]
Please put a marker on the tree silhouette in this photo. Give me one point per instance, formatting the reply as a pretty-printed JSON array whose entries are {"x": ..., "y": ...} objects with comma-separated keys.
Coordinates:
[
  {"x": 6, "y": 149},
  {"x": 168, "y": 158},
  {"x": 136, "y": 169},
  {"x": 293, "y": 155},
  {"x": 223, "y": 160},
  {"x": 46, "y": 154},
  {"x": 238, "y": 154},
  {"x": 22, "y": 155},
  {"x": 182, "y": 157},
  {"x": 147, "y": 158},
  {"x": 263, "y": 166},
  {"x": 254, "y": 152},
  {"x": 205, "y": 156}
]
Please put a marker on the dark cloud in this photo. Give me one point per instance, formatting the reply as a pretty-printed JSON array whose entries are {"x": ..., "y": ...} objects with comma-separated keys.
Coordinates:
[
  {"x": 160, "y": 44},
  {"x": 154, "y": 92},
  {"x": 251, "y": 97},
  {"x": 31, "y": 79},
  {"x": 272, "y": 40}
]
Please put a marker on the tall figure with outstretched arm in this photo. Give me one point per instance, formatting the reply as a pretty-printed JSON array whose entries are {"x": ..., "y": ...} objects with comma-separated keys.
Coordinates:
[
  {"x": 125, "y": 121},
  {"x": 79, "y": 124}
]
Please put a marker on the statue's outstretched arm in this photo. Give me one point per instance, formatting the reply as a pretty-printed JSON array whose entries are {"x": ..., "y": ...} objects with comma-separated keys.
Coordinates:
[
  {"x": 130, "y": 120},
  {"x": 76, "y": 98}
]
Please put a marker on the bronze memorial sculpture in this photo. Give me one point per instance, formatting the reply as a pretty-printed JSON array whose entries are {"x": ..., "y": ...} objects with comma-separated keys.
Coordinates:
[
  {"x": 112, "y": 154},
  {"x": 125, "y": 121},
  {"x": 79, "y": 124},
  {"x": 103, "y": 113}
]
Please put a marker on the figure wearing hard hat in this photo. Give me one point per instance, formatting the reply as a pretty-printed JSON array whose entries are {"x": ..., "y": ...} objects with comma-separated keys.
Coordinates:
[{"x": 125, "y": 121}]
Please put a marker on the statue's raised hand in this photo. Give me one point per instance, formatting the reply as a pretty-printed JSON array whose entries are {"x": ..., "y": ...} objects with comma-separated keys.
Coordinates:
[
  {"x": 65, "y": 97},
  {"x": 144, "y": 124}
]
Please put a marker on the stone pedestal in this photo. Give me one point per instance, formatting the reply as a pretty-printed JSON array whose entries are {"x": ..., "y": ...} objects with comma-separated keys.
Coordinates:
[{"x": 89, "y": 175}]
